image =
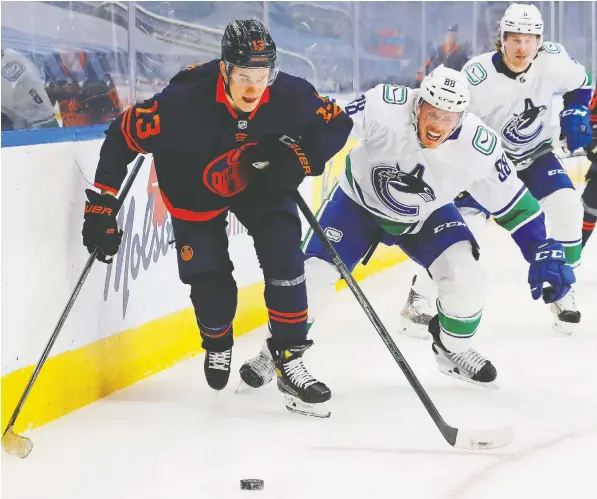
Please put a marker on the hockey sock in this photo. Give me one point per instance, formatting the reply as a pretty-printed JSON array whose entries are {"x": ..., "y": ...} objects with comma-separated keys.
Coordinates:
[
  {"x": 573, "y": 251},
  {"x": 286, "y": 302},
  {"x": 588, "y": 225},
  {"x": 456, "y": 329}
]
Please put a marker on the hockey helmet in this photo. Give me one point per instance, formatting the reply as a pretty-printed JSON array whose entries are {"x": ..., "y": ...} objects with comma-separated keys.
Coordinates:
[
  {"x": 446, "y": 89},
  {"x": 248, "y": 44},
  {"x": 522, "y": 18}
]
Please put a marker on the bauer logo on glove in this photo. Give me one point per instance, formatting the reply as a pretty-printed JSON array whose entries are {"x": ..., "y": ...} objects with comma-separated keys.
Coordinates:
[
  {"x": 100, "y": 228},
  {"x": 281, "y": 160}
]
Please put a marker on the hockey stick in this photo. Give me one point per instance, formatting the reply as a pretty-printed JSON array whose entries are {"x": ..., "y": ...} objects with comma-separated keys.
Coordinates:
[
  {"x": 459, "y": 438},
  {"x": 13, "y": 443},
  {"x": 542, "y": 151}
]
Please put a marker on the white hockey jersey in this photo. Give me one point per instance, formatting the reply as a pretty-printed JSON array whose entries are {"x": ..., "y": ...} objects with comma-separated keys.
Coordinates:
[
  {"x": 392, "y": 176},
  {"x": 24, "y": 100},
  {"x": 521, "y": 109}
]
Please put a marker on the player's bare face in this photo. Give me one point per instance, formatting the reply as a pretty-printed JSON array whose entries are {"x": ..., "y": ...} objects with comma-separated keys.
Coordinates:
[
  {"x": 520, "y": 50},
  {"x": 435, "y": 125},
  {"x": 247, "y": 86}
]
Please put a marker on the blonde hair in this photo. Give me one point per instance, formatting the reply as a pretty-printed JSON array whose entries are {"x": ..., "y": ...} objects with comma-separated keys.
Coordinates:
[{"x": 498, "y": 41}]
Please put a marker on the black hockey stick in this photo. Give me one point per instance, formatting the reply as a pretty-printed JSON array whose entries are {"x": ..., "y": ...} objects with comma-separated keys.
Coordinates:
[
  {"x": 535, "y": 155},
  {"x": 460, "y": 438},
  {"x": 13, "y": 443}
]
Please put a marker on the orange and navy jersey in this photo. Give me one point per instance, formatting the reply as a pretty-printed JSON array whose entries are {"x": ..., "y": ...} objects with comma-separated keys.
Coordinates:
[
  {"x": 592, "y": 147},
  {"x": 196, "y": 137}
]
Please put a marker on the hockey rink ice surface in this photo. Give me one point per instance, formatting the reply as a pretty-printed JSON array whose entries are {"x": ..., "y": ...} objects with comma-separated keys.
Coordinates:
[{"x": 171, "y": 437}]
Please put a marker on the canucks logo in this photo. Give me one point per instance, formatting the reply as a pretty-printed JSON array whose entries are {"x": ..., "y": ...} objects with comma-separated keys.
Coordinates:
[
  {"x": 390, "y": 178},
  {"x": 520, "y": 130}
]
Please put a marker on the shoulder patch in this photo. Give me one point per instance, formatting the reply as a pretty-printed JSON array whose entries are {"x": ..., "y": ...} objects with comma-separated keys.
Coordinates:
[
  {"x": 394, "y": 95},
  {"x": 475, "y": 73},
  {"x": 484, "y": 141},
  {"x": 13, "y": 70},
  {"x": 552, "y": 47}
]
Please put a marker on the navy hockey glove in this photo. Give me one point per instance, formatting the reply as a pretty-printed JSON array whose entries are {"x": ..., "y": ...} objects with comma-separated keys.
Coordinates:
[
  {"x": 100, "y": 227},
  {"x": 575, "y": 125},
  {"x": 281, "y": 161},
  {"x": 548, "y": 265}
]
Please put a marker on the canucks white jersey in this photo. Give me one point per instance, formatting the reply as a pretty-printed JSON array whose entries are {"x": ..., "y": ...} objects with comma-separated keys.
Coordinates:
[
  {"x": 392, "y": 176},
  {"x": 24, "y": 99},
  {"x": 521, "y": 109}
]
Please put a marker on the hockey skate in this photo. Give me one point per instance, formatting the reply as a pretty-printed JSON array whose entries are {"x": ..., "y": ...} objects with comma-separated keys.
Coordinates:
[
  {"x": 566, "y": 317},
  {"x": 257, "y": 371},
  {"x": 467, "y": 366},
  {"x": 415, "y": 316},
  {"x": 304, "y": 394},
  {"x": 217, "y": 368}
]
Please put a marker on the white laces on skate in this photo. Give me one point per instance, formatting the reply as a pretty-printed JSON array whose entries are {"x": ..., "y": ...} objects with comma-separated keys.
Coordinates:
[
  {"x": 219, "y": 360},
  {"x": 417, "y": 308},
  {"x": 298, "y": 374},
  {"x": 567, "y": 303},
  {"x": 261, "y": 363},
  {"x": 470, "y": 360}
]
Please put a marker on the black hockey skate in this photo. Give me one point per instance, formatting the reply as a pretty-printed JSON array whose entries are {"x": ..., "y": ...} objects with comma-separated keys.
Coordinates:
[
  {"x": 468, "y": 365},
  {"x": 217, "y": 368},
  {"x": 304, "y": 394}
]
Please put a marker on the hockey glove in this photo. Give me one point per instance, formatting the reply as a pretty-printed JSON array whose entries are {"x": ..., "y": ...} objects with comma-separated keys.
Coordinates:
[
  {"x": 281, "y": 161},
  {"x": 575, "y": 125},
  {"x": 548, "y": 265},
  {"x": 100, "y": 228}
]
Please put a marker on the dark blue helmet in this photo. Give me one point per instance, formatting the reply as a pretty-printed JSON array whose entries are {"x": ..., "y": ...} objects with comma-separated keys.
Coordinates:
[{"x": 248, "y": 44}]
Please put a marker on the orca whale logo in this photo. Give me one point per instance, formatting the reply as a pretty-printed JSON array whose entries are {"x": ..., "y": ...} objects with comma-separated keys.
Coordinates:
[
  {"x": 518, "y": 130},
  {"x": 387, "y": 178}
]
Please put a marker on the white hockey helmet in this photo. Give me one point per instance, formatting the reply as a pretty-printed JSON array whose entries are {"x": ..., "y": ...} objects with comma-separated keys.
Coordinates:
[
  {"x": 446, "y": 89},
  {"x": 522, "y": 18}
]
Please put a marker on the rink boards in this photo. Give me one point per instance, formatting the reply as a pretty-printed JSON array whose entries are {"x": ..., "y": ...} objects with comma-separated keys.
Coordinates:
[{"x": 132, "y": 319}]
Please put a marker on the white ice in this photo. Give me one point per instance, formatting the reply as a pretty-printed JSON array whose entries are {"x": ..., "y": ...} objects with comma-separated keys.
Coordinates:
[{"x": 171, "y": 437}]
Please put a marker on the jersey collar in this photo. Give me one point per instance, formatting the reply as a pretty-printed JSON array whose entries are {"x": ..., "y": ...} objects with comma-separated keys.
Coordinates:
[
  {"x": 500, "y": 66},
  {"x": 222, "y": 99}
]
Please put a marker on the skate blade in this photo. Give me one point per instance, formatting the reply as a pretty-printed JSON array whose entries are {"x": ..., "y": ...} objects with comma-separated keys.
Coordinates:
[
  {"x": 299, "y": 407},
  {"x": 565, "y": 328},
  {"x": 491, "y": 385},
  {"x": 413, "y": 330},
  {"x": 243, "y": 387}
]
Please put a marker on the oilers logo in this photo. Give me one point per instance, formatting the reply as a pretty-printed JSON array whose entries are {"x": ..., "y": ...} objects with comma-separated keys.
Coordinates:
[
  {"x": 224, "y": 175},
  {"x": 520, "y": 130},
  {"x": 388, "y": 178}
]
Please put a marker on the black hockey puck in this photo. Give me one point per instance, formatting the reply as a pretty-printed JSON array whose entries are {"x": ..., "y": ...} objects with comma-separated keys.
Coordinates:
[{"x": 251, "y": 484}]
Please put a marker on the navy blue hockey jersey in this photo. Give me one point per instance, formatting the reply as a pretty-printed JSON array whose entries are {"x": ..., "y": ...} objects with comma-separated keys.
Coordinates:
[{"x": 196, "y": 137}]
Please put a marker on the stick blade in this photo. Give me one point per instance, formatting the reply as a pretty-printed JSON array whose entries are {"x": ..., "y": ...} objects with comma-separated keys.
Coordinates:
[
  {"x": 484, "y": 439},
  {"x": 16, "y": 445}
]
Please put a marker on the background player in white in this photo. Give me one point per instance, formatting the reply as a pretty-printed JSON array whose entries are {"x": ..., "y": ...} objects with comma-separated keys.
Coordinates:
[
  {"x": 418, "y": 150},
  {"x": 513, "y": 91},
  {"x": 25, "y": 103}
]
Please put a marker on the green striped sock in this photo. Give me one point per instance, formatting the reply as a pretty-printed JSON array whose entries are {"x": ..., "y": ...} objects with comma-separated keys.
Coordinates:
[{"x": 463, "y": 327}]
